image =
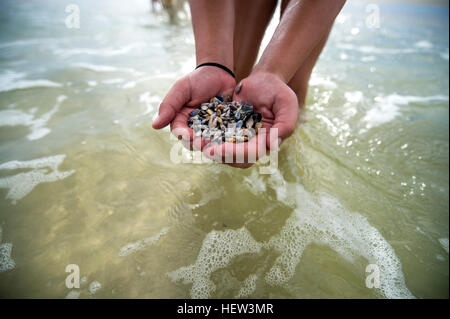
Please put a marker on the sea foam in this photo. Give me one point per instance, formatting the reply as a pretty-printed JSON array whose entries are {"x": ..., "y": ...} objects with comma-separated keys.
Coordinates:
[
  {"x": 316, "y": 219},
  {"x": 37, "y": 125},
  {"x": 10, "y": 81},
  {"x": 6, "y": 262},
  {"x": 386, "y": 108},
  {"x": 43, "y": 170},
  {"x": 141, "y": 244}
]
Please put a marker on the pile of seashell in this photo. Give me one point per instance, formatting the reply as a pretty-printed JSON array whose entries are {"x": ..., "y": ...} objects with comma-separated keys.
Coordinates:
[{"x": 225, "y": 121}]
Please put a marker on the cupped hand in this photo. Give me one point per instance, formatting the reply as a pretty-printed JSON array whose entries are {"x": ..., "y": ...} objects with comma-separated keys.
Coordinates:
[
  {"x": 278, "y": 105},
  {"x": 187, "y": 94}
]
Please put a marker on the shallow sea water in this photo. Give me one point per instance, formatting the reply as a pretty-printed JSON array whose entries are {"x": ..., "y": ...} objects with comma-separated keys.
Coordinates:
[{"x": 85, "y": 180}]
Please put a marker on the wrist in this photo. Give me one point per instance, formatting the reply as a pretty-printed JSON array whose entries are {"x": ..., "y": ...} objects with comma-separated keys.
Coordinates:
[
  {"x": 208, "y": 51},
  {"x": 217, "y": 65},
  {"x": 261, "y": 70},
  {"x": 218, "y": 58},
  {"x": 267, "y": 70}
]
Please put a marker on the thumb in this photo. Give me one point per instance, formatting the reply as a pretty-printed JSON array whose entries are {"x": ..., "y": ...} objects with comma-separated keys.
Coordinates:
[
  {"x": 174, "y": 101},
  {"x": 285, "y": 111}
]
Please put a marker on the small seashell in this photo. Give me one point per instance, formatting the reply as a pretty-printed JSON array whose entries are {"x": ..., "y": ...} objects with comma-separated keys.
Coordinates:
[
  {"x": 221, "y": 120},
  {"x": 258, "y": 126},
  {"x": 206, "y": 133},
  {"x": 249, "y": 123},
  {"x": 247, "y": 108},
  {"x": 257, "y": 117},
  {"x": 194, "y": 112},
  {"x": 250, "y": 132},
  {"x": 212, "y": 122},
  {"x": 232, "y": 125}
]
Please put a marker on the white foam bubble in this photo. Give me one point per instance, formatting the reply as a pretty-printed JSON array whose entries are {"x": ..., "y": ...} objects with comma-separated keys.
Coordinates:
[
  {"x": 354, "y": 96},
  {"x": 386, "y": 108},
  {"x": 367, "y": 49},
  {"x": 6, "y": 262},
  {"x": 382, "y": 112},
  {"x": 104, "y": 52},
  {"x": 10, "y": 81},
  {"x": 368, "y": 58},
  {"x": 327, "y": 83},
  {"x": 332, "y": 128},
  {"x": 255, "y": 183},
  {"x": 141, "y": 244},
  {"x": 217, "y": 251},
  {"x": 354, "y": 31},
  {"x": 36, "y": 125},
  {"x": 132, "y": 84},
  {"x": 21, "y": 43},
  {"x": 113, "y": 81},
  {"x": 444, "y": 243},
  {"x": 22, "y": 184},
  {"x": 151, "y": 101},
  {"x": 94, "y": 287},
  {"x": 188, "y": 65},
  {"x": 105, "y": 68},
  {"x": 317, "y": 218},
  {"x": 321, "y": 219},
  {"x": 423, "y": 44},
  {"x": 15, "y": 117},
  {"x": 248, "y": 286},
  {"x": 73, "y": 294}
]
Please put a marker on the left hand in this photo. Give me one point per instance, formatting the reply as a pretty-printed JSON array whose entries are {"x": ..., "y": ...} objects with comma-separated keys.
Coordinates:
[{"x": 278, "y": 105}]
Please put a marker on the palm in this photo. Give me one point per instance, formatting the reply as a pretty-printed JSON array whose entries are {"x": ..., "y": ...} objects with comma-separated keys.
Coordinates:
[
  {"x": 186, "y": 94},
  {"x": 278, "y": 106},
  {"x": 205, "y": 83},
  {"x": 271, "y": 97}
]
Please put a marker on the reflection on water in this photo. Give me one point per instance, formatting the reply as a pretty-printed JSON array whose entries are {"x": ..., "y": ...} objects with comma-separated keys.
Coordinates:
[{"x": 85, "y": 180}]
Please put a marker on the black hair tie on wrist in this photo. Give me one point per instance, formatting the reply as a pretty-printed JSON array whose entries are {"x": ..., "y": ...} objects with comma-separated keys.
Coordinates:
[{"x": 218, "y": 66}]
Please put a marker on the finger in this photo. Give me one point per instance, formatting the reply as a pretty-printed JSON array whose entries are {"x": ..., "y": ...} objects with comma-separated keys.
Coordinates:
[
  {"x": 238, "y": 154},
  {"x": 177, "y": 97},
  {"x": 181, "y": 130},
  {"x": 228, "y": 93},
  {"x": 285, "y": 110},
  {"x": 179, "y": 127}
]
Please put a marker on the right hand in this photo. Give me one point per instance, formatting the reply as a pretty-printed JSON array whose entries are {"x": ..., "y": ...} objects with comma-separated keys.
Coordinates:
[
  {"x": 187, "y": 94},
  {"x": 278, "y": 105}
]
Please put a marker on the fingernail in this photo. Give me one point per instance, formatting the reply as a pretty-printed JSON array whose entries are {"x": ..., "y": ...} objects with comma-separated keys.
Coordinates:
[{"x": 238, "y": 88}]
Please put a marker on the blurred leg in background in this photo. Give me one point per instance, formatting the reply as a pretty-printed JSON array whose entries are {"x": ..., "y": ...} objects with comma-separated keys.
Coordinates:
[
  {"x": 251, "y": 20},
  {"x": 299, "y": 82}
]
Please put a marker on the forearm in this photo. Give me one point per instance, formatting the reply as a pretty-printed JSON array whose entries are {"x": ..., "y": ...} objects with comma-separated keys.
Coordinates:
[
  {"x": 213, "y": 24},
  {"x": 303, "y": 25}
]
